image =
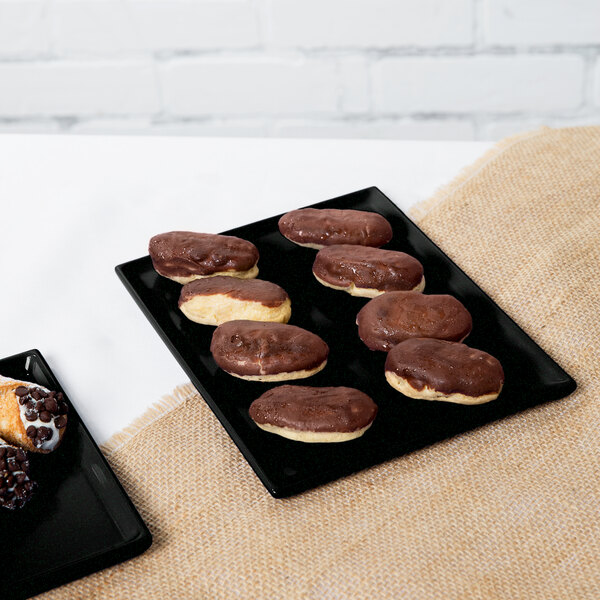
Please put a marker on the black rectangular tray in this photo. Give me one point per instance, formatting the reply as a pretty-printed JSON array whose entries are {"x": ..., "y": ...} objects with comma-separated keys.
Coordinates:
[
  {"x": 80, "y": 519},
  {"x": 402, "y": 424}
]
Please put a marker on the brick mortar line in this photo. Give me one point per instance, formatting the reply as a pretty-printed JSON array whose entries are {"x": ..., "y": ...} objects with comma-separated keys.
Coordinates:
[
  {"x": 165, "y": 118},
  {"x": 590, "y": 50}
]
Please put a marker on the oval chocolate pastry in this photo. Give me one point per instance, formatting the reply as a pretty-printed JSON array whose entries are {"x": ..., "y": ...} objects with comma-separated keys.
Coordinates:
[
  {"x": 15, "y": 486},
  {"x": 396, "y": 316},
  {"x": 315, "y": 228},
  {"x": 439, "y": 370},
  {"x": 216, "y": 300},
  {"x": 267, "y": 351},
  {"x": 368, "y": 272},
  {"x": 31, "y": 416},
  {"x": 314, "y": 414},
  {"x": 184, "y": 256}
]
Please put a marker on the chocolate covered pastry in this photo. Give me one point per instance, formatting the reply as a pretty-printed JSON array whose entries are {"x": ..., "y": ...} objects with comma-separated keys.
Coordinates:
[
  {"x": 315, "y": 228},
  {"x": 184, "y": 256},
  {"x": 368, "y": 272},
  {"x": 31, "y": 416},
  {"x": 394, "y": 317},
  {"x": 216, "y": 300},
  {"x": 314, "y": 414},
  {"x": 439, "y": 370},
  {"x": 15, "y": 486},
  {"x": 267, "y": 351}
]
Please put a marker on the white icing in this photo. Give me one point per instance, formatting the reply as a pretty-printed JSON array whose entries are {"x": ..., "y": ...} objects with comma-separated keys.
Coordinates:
[{"x": 53, "y": 441}]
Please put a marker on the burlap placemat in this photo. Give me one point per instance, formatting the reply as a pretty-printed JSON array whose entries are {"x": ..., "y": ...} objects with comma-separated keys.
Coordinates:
[{"x": 509, "y": 511}]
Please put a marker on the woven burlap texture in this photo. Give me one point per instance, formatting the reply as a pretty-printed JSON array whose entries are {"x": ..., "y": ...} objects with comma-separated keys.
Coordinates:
[{"x": 509, "y": 511}]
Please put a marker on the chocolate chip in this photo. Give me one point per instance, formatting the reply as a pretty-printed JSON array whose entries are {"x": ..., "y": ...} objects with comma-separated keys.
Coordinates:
[
  {"x": 30, "y": 405},
  {"x": 60, "y": 422},
  {"x": 2, "y": 465},
  {"x": 2, "y": 451},
  {"x": 20, "y": 477},
  {"x": 52, "y": 394},
  {"x": 20, "y": 455},
  {"x": 45, "y": 433},
  {"x": 22, "y": 400},
  {"x": 13, "y": 466},
  {"x": 21, "y": 391},
  {"x": 60, "y": 396},
  {"x": 45, "y": 416},
  {"x": 10, "y": 452},
  {"x": 51, "y": 405},
  {"x": 31, "y": 431},
  {"x": 31, "y": 415},
  {"x": 63, "y": 409},
  {"x": 43, "y": 394},
  {"x": 36, "y": 394}
]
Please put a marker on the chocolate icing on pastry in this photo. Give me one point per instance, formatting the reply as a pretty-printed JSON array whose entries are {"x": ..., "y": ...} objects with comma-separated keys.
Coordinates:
[
  {"x": 305, "y": 408},
  {"x": 394, "y": 317},
  {"x": 329, "y": 226},
  {"x": 446, "y": 367},
  {"x": 262, "y": 348},
  {"x": 188, "y": 254},
  {"x": 254, "y": 290},
  {"x": 365, "y": 267},
  {"x": 15, "y": 486}
]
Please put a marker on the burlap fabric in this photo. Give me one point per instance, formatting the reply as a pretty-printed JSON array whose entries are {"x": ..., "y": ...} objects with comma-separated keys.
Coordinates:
[{"x": 509, "y": 511}]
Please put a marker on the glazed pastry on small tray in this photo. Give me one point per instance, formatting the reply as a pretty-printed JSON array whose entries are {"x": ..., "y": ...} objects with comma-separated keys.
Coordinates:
[
  {"x": 15, "y": 486},
  {"x": 368, "y": 272},
  {"x": 31, "y": 416},
  {"x": 265, "y": 351},
  {"x": 394, "y": 317},
  {"x": 216, "y": 300},
  {"x": 314, "y": 414},
  {"x": 185, "y": 255},
  {"x": 318, "y": 227},
  {"x": 433, "y": 369}
]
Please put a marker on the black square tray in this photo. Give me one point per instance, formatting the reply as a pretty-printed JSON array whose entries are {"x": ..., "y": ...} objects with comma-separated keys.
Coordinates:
[
  {"x": 80, "y": 519},
  {"x": 402, "y": 424}
]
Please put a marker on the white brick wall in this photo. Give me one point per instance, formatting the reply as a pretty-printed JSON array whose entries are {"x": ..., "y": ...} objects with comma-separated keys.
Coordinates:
[
  {"x": 248, "y": 86},
  {"x": 465, "y": 84},
  {"x": 371, "y": 23},
  {"x": 539, "y": 22},
  {"x": 421, "y": 69}
]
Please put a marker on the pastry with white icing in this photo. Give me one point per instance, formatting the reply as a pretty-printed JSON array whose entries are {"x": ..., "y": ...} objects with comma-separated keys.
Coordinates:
[
  {"x": 31, "y": 416},
  {"x": 15, "y": 486}
]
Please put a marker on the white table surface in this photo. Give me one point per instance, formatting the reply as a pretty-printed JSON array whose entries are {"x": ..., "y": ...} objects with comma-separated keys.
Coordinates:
[{"x": 75, "y": 207}]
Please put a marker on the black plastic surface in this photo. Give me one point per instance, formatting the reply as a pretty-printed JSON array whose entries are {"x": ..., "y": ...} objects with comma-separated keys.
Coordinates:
[
  {"x": 402, "y": 424},
  {"x": 80, "y": 519}
]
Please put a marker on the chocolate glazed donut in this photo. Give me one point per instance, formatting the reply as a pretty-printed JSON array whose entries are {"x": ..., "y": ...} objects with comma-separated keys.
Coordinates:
[
  {"x": 263, "y": 351},
  {"x": 314, "y": 414},
  {"x": 367, "y": 272},
  {"x": 439, "y": 370},
  {"x": 185, "y": 255},
  {"x": 216, "y": 300},
  {"x": 315, "y": 228},
  {"x": 394, "y": 317}
]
